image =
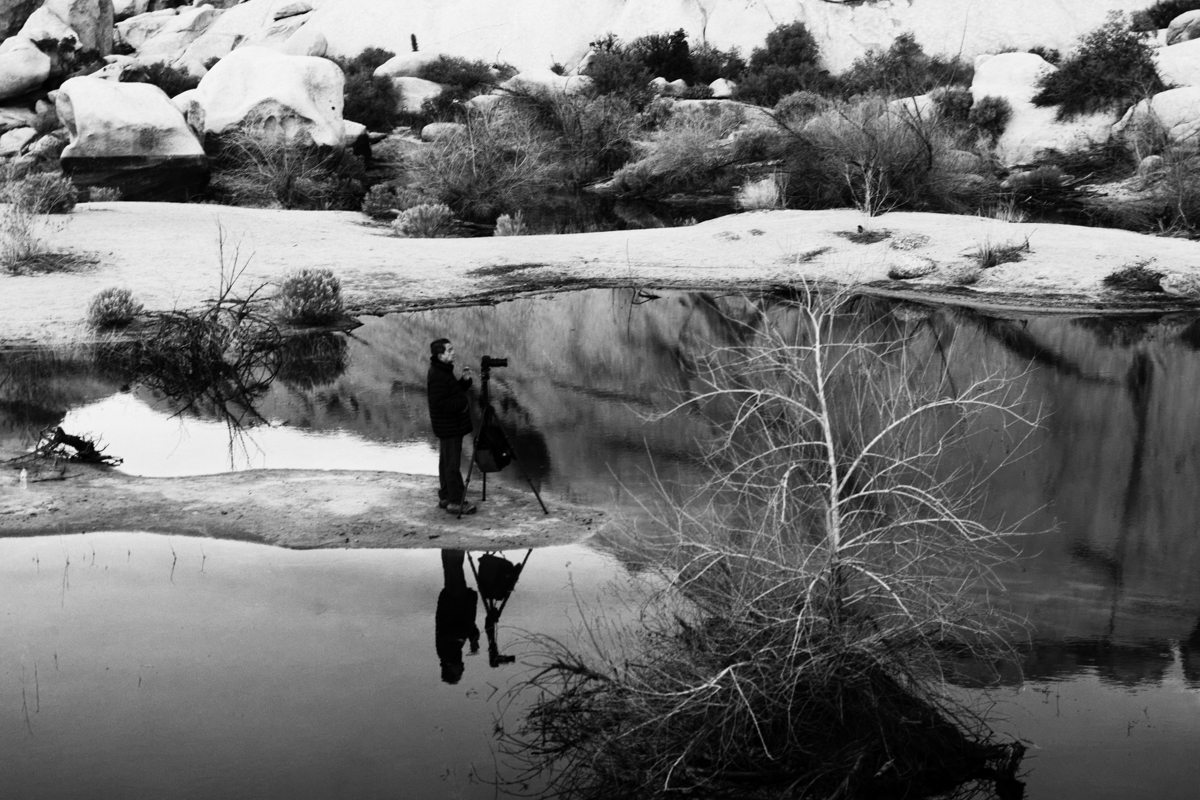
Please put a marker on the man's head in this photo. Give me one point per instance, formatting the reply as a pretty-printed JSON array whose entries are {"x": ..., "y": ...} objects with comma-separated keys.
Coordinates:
[{"x": 442, "y": 351}]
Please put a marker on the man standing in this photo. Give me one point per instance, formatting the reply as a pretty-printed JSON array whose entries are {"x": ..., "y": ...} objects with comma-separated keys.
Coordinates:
[{"x": 450, "y": 414}]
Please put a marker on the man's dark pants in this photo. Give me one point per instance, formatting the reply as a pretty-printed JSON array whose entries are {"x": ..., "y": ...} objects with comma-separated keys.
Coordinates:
[{"x": 450, "y": 470}]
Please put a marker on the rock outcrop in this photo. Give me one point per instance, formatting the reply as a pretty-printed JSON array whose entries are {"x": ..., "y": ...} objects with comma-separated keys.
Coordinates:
[
  {"x": 92, "y": 21},
  {"x": 1179, "y": 64},
  {"x": 13, "y": 14},
  {"x": 1184, "y": 28},
  {"x": 1031, "y": 129},
  {"x": 23, "y": 67},
  {"x": 131, "y": 136},
  {"x": 295, "y": 98},
  {"x": 1173, "y": 115}
]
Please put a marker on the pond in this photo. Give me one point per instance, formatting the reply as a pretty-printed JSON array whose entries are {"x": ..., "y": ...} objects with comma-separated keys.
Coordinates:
[{"x": 1107, "y": 696}]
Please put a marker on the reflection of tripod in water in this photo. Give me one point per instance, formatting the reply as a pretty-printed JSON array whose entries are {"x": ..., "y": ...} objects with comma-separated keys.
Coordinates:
[
  {"x": 491, "y": 450},
  {"x": 496, "y": 579}
]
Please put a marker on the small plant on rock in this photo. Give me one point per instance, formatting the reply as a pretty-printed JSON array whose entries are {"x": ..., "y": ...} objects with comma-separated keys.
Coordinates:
[
  {"x": 310, "y": 297},
  {"x": 993, "y": 254},
  {"x": 113, "y": 308},
  {"x": 426, "y": 221}
]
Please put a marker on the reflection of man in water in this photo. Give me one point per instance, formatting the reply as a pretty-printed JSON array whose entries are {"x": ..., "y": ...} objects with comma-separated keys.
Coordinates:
[{"x": 454, "y": 622}]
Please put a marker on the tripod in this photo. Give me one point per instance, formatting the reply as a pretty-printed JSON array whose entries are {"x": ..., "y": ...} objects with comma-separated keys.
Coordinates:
[
  {"x": 499, "y": 580},
  {"x": 488, "y": 422}
]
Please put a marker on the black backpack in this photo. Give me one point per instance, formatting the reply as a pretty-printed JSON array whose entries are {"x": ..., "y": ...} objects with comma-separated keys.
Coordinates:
[
  {"x": 497, "y": 576},
  {"x": 492, "y": 451}
]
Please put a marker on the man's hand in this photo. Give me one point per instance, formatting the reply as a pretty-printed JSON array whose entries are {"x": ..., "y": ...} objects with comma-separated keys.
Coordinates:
[{"x": 466, "y": 372}]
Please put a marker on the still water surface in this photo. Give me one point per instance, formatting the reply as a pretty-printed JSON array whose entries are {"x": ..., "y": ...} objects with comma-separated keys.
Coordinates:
[{"x": 348, "y": 695}]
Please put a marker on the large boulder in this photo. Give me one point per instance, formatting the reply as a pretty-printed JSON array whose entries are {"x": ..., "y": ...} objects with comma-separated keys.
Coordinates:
[
  {"x": 1031, "y": 129},
  {"x": 124, "y": 9},
  {"x": 1184, "y": 28},
  {"x": 545, "y": 81},
  {"x": 131, "y": 136},
  {"x": 415, "y": 91},
  {"x": 14, "y": 141},
  {"x": 23, "y": 67},
  {"x": 17, "y": 116},
  {"x": 308, "y": 41},
  {"x": 137, "y": 30},
  {"x": 177, "y": 33},
  {"x": 1173, "y": 115},
  {"x": 297, "y": 98},
  {"x": 277, "y": 32},
  {"x": 233, "y": 28},
  {"x": 13, "y": 14},
  {"x": 1179, "y": 64},
  {"x": 406, "y": 65},
  {"x": 44, "y": 24},
  {"x": 92, "y": 21}
]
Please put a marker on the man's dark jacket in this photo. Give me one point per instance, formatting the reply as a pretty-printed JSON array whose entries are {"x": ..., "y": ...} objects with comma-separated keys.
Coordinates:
[{"x": 449, "y": 403}]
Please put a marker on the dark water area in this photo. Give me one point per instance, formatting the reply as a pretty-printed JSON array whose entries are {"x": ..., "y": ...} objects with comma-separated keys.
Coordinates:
[{"x": 1108, "y": 692}]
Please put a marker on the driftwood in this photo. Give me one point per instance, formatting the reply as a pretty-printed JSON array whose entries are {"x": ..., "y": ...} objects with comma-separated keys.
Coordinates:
[{"x": 55, "y": 445}]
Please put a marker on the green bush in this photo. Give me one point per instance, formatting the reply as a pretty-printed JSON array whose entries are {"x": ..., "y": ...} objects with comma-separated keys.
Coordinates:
[
  {"x": 1112, "y": 68},
  {"x": 690, "y": 152},
  {"x": 369, "y": 100},
  {"x": 472, "y": 77},
  {"x": 990, "y": 115},
  {"x": 113, "y": 308},
  {"x": 710, "y": 63},
  {"x": 445, "y": 106},
  {"x": 665, "y": 55},
  {"x": 590, "y": 136},
  {"x": 614, "y": 70},
  {"x": 171, "y": 80},
  {"x": 1048, "y": 54},
  {"x": 953, "y": 104},
  {"x": 904, "y": 70},
  {"x": 768, "y": 85},
  {"x": 427, "y": 221},
  {"x": 789, "y": 45},
  {"x": 46, "y": 193},
  {"x": 309, "y": 297},
  {"x": 1160, "y": 14},
  {"x": 385, "y": 200}
]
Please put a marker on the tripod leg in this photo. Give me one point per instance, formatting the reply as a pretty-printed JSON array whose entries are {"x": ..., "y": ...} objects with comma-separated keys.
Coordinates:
[
  {"x": 483, "y": 495},
  {"x": 529, "y": 480}
]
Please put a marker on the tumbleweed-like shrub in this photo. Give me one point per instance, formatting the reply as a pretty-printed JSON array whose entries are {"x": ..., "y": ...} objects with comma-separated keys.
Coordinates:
[
  {"x": 310, "y": 297},
  {"x": 426, "y": 221},
  {"x": 46, "y": 193},
  {"x": 511, "y": 225},
  {"x": 113, "y": 308},
  {"x": 808, "y": 597}
]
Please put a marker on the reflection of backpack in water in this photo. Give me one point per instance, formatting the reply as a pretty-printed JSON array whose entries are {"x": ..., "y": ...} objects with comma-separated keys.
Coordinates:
[
  {"x": 492, "y": 451},
  {"x": 497, "y": 576}
]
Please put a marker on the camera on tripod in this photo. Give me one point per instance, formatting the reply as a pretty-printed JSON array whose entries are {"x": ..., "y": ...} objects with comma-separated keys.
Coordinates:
[{"x": 487, "y": 362}]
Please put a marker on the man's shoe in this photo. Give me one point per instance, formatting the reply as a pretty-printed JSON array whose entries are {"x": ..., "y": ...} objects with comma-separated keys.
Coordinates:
[
  {"x": 465, "y": 507},
  {"x": 443, "y": 503}
]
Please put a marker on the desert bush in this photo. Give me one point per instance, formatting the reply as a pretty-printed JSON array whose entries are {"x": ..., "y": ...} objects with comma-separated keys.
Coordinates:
[
  {"x": 309, "y": 297},
  {"x": 1111, "y": 68},
  {"x": 796, "y": 108},
  {"x": 426, "y": 221},
  {"x": 990, "y": 115},
  {"x": 614, "y": 70},
  {"x": 473, "y": 77},
  {"x": 369, "y": 100},
  {"x": 953, "y": 104},
  {"x": 764, "y": 193},
  {"x": 501, "y": 163},
  {"x": 113, "y": 308},
  {"x": 665, "y": 55},
  {"x": 1136, "y": 277},
  {"x": 260, "y": 169},
  {"x": 1177, "y": 191},
  {"x": 875, "y": 158},
  {"x": 380, "y": 201},
  {"x": 689, "y": 152},
  {"x": 1159, "y": 14},
  {"x": 768, "y": 85},
  {"x": 172, "y": 80},
  {"x": 1048, "y": 54},
  {"x": 710, "y": 63},
  {"x": 787, "y": 45},
  {"x": 511, "y": 225},
  {"x": 807, "y": 594},
  {"x": 45, "y": 193},
  {"x": 103, "y": 194},
  {"x": 992, "y": 253},
  {"x": 903, "y": 70}
]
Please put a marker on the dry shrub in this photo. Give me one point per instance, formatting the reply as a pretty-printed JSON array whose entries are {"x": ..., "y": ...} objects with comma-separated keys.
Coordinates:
[
  {"x": 878, "y": 157},
  {"x": 24, "y": 224},
  {"x": 310, "y": 297},
  {"x": 426, "y": 221},
  {"x": 499, "y": 163},
  {"x": 511, "y": 225},
  {"x": 254, "y": 167},
  {"x": 764, "y": 193},
  {"x": 590, "y": 135},
  {"x": 807, "y": 595},
  {"x": 691, "y": 151},
  {"x": 113, "y": 308}
]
